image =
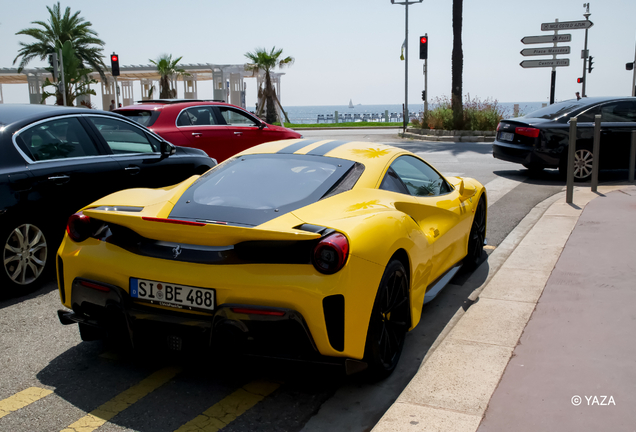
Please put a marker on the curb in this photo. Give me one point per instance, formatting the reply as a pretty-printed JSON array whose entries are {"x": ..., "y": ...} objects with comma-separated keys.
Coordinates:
[
  {"x": 463, "y": 367},
  {"x": 479, "y": 138},
  {"x": 347, "y": 127}
]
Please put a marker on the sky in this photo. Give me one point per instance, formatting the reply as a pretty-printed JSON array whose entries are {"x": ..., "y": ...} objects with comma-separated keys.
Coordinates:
[{"x": 350, "y": 49}]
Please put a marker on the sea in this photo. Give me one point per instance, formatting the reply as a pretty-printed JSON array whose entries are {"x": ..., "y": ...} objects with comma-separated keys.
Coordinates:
[{"x": 309, "y": 114}]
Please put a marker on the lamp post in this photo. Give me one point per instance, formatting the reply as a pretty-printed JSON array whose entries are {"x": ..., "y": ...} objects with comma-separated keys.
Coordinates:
[
  {"x": 585, "y": 53},
  {"x": 406, "y": 58}
]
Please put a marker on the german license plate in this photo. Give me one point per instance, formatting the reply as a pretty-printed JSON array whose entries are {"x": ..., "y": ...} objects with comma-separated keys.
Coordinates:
[
  {"x": 172, "y": 295},
  {"x": 506, "y": 136}
]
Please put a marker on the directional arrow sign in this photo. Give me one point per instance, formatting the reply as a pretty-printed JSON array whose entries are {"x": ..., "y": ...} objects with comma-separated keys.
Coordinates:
[
  {"x": 545, "y": 51},
  {"x": 545, "y": 39},
  {"x": 544, "y": 63},
  {"x": 567, "y": 25}
]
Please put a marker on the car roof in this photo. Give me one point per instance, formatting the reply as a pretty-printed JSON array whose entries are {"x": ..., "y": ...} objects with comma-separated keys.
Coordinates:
[
  {"x": 366, "y": 153},
  {"x": 15, "y": 116},
  {"x": 159, "y": 104},
  {"x": 10, "y": 113}
]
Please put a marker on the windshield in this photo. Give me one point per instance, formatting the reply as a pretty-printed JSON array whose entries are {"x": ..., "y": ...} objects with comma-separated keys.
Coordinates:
[
  {"x": 255, "y": 188},
  {"x": 558, "y": 110},
  {"x": 143, "y": 117}
]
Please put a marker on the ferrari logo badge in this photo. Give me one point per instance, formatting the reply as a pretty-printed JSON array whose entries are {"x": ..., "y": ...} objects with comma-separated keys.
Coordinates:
[{"x": 176, "y": 251}]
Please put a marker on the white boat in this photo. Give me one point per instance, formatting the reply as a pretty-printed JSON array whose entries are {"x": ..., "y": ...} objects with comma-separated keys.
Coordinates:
[{"x": 351, "y": 103}]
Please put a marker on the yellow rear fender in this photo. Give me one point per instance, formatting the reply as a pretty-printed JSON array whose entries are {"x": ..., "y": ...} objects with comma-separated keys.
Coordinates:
[{"x": 159, "y": 198}]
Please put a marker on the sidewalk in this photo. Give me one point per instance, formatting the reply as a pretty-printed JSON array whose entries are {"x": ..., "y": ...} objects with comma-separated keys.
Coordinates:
[{"x": 554, "y": 322}]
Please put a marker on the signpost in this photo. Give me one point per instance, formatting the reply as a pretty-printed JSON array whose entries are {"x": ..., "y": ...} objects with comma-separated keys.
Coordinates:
[
  {"x": 567, "y": 25},
  {"x": 544, "y": 63},
  {"x": 545, "y": 51},
  {"x": 546, "y": 39}
]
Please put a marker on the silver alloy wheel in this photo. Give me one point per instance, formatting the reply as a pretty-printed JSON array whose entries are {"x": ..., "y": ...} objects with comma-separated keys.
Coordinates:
[
  {"x": 25, "y": 254},
  {"x": 583, "y": 163}
]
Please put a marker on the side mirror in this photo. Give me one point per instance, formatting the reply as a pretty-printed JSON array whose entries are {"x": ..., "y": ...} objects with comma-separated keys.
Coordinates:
[
  {"x": 465, "y": 191},
  {"x": 262, "y": 125},
  {"x": 167, "y": 149}
]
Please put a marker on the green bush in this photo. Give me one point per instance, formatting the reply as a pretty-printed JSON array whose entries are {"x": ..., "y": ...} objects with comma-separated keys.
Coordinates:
[{"x": 478, "y": 115}]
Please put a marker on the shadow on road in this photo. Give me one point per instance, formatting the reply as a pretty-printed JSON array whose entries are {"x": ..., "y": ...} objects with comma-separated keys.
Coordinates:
[{"x": 89, "y": 374}]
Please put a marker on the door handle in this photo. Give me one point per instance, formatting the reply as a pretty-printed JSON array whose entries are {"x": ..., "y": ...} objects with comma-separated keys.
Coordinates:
[
  {"x": 132, "y": 169},
  {"x": 238, "y": 133},
  {"x": 196, "y": 134},
  {"x": 61, "y": 179}
]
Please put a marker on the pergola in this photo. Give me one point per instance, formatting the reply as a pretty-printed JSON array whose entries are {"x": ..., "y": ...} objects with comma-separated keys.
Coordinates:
[{"x": 229, "y": 82}]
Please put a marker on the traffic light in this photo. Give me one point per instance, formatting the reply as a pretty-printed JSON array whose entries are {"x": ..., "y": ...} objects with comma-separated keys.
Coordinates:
[
  {"x": 423, "y": 47},
  {"x": 589, "y": 65},
  {"x": 580, "y": 80},
  {"x": 423, "y": 95},
  {"x": 114, "y": 64}
]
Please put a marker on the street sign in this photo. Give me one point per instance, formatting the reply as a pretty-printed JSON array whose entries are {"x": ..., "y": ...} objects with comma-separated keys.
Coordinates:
[
  {"x": 567, "y": 25},
  {"x": 546, "y": 39},
  {"x": 544, "y": 63},
  {"x": 545, "y": 51}
]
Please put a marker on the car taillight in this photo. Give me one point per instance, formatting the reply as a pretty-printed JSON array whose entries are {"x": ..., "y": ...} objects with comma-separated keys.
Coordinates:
[
  {"x": 526, "y": 131},
  {"x": 95, "y": 286},
  {"x": 331, "y": 253},
  {"x": 498, "y": 126},
  {"x": 79, "y": 227}
]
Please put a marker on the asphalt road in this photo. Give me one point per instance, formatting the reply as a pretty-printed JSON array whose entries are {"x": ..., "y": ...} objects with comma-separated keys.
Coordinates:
[{"x": 160, "y": 391}]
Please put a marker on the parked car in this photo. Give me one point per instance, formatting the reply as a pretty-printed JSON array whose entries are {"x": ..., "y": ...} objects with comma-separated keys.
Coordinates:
[
  {"x": 325, "y": 250},
  {"x": 56, "y": 160},
  {"x": 218, "y": 128},
  {"x": 540, "y": 139}
]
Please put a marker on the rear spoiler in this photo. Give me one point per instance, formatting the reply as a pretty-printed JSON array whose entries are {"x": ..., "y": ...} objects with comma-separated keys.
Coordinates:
[{"x": 198, "y": 233}]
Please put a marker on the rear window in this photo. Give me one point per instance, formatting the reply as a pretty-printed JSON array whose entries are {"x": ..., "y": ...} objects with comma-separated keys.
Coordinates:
[
  {"x": 558, "y": 110},
  {"x": 143, "y": 117},
  {"x": 253, "y": 189}
]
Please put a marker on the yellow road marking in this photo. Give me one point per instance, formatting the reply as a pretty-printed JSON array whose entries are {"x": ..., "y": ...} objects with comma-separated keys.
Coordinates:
[
  {"x": 229, "y": 408},
  {"x": 110, "y": 409},
  {"x": 22, "y": 399}
]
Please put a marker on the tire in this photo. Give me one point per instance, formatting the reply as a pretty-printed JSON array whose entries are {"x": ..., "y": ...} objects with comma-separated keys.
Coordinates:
[
  {"x": 476, "y": 237},
  {"x": 583, "y": 159},
  {"x": 390, "y": 319},
  {"x": 27, "y": 257}
]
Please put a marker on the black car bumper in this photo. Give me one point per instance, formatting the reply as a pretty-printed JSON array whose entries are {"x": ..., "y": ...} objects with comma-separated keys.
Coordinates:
[
  {"x": 110, "y": 311},
  {"x": 527, "y": 156}
]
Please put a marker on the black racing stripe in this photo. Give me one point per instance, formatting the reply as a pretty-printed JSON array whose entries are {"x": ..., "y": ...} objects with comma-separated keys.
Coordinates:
[
  {"x": 326, "y": 148},
  {"x": 292, "y": 148}
]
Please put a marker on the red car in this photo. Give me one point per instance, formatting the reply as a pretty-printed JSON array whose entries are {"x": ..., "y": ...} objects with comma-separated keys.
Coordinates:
[{"x": 218, "y": 128}]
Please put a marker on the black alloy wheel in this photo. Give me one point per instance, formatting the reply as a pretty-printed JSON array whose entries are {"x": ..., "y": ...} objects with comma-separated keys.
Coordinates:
[
  {"x": 477, "y": 236},
  {"x": 25, "y": 253},
  {"x": 390, "y": 320}
]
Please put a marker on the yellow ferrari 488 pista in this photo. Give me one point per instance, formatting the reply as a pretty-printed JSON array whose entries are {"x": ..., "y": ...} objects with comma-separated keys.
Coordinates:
[{"x": 296, "y": 247}]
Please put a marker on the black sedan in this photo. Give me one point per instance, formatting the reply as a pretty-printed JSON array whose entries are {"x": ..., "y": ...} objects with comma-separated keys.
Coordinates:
[
  {"x": 540, "y": 139},
  {"x": 56, "y": 160}
]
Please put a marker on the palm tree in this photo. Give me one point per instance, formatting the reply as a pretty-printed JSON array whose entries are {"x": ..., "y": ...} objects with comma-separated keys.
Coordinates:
[
  {"x": 76, "y": 79},
  {"x": 261, "y": 60},
  {"x": 51, "y": 35},
  {"x": 457, "y": 66},
  {"x": 167, "y": 68}
]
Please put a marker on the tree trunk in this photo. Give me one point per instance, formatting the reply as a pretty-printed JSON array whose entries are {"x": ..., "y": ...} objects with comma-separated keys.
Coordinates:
[
  {"x": 164, "y": 87},
  {"x": 457, "y": 66},
  {"x": 270, "y": 116}
]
